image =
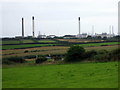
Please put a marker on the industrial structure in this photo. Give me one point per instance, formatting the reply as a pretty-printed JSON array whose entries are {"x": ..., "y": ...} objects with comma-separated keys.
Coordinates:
[
  {"x": 80, "y": 35},
  {"x": 22, "y": 27},
  {"x": 33, "y": 26}
]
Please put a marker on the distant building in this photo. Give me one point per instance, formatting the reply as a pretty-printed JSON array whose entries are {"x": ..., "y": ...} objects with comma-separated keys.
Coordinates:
[
  {"x": 19, "y": 37},
  {"x": 42, "y": 36},
  {"x": 105, "y": 35},
  {"x": 51, "y": 36},
  {"x": 83, "y": 35},
  {"x": 69, "y": 36}
]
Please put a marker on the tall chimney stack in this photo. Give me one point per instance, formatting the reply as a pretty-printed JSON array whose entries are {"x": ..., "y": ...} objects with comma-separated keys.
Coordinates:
[
  {"x": 33, "y": 26},
  {"x": 79, "y": 24},
  {"x": 22, "y": 27},
  {"x": 92, "y": 29},
  {"x": 112, "y": 30}
]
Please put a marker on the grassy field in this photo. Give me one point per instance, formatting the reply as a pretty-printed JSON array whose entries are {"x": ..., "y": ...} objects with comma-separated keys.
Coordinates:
[
  {"x": 79, "y": 40},
  {"x": 79, "y": 75},
  {"x": 11, "y": 42},
  {"x": 98, "y": 44},
  {"x": 46, "y": 41},
  {"x": 27, "y": 41},
  {"x": 25, "y": 46}
]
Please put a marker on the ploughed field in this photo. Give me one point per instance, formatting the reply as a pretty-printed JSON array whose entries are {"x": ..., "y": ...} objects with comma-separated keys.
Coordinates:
[{"x": 76, "y": 75}]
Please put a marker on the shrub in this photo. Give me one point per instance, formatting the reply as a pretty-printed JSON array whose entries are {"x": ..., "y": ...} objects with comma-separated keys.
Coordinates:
[
  {"x": 103, "y": 52},
  {"x": 30, "y": 56},
  {"x": 90, "y": 54},
  {"x": 101, "y": 58},
  {"x": 40, "y": 59},
  {"x": 12, "y": 60},
  {"x": 26, "y": 51},
  {"x": 115, "y": 55},
  {"x": 75, "y": 53}
]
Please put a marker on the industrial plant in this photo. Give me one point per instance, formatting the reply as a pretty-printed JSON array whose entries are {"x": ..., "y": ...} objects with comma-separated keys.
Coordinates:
[{"x": 79, "y": 35}]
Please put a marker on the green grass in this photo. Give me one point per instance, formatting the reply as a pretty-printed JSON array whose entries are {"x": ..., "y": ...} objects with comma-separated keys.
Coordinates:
[
  {"x": 27, "y": 41},
  {"x": 24, "y": 46},
  {"x": 11, "y": 42},
  {"x": 98, "y": 44},
  {"x": 46, "y": 41},
  {"x": 79, "y": 75}
]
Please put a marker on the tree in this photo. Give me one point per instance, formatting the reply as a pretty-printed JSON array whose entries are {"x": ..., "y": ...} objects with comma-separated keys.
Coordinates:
[{"x": 75, "y": 53}]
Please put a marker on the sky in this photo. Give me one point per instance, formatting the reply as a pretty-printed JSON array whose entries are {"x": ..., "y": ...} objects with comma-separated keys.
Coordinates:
[{"x": 57, "y": 17}]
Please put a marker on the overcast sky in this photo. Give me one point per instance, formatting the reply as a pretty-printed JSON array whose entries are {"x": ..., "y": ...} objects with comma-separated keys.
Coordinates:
[{"x": 58, "y": 17}]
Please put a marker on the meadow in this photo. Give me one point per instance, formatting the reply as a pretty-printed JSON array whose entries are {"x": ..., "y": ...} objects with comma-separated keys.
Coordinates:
[
  {"x": 75, "y": 75},
  {"x": 25, "y": 46},
  {"x": 20, "y": 41}
]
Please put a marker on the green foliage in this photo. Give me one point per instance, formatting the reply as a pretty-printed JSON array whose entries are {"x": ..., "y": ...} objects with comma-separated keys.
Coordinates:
[
  {"x": 12, "y": 60},
  {"x": 105, "y": 56},
  {"x": 40, "y": 59},
  {"x": 30, "y": 57},
  {"x": 26, "y": 51},
  {"x": 75, "y": 53},
  {"x": 90, "y": 54},
  {"x": 115, "y": 55}
]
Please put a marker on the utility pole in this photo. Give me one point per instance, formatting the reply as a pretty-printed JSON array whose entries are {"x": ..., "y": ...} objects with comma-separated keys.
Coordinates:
[
  {"x": 22, "y": 27},
  {"x": 33, "y": 26}
]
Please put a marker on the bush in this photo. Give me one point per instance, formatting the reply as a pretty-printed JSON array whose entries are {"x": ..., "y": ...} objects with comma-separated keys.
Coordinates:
[
  {"x": 75, "y": 53},
  {"x": 101, "y": 58},
  {"x": 40, "y": 59},
  {"x": 90, "y": 54},
  {"x": 103, "y": 52},
  {"x": 30, "y": 56},
  {"x": 115, "y": 55},
  {"x": 12, "y": 60},
  {"x": 26, "y": 51}
]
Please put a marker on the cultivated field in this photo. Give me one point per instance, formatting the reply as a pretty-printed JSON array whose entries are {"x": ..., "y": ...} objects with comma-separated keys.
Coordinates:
[
  {"x": 20, "y": 41},
  {"x": 25, "y": 46},
  {"x": 80, "y": 40},
  {"x": 48, "y": 50},
  {"x": 80, "y": 75}
]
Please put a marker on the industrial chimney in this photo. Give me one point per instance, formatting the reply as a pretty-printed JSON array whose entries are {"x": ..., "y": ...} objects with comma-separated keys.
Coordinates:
[
  {"x": 112, "y": 30},
  {"x": 22, "y": 27},
  {"x": 79, "y": 25},
  {"x": 33, "y": 26}
]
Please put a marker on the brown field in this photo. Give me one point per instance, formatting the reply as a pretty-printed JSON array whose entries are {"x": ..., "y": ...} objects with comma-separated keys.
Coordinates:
[
  {"x": 79, "y": 40},
  {"x": 48, "y": 50}
]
